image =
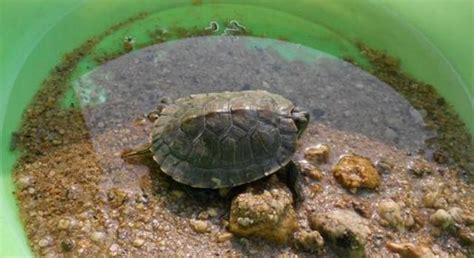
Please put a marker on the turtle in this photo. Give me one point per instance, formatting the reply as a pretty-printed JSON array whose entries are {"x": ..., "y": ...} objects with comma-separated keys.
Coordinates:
[{"x": 224, "y": 139}]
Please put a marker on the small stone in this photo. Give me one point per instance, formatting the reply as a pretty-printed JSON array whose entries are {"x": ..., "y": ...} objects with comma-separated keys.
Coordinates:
[
  {"x": 440, "y": 203},
  {"x": 223, "y": 237},
  {"x": 390, "y": 211},
  {"x": 199, "y": 226},
  {"x": 98, "y": 236},
  {"x": 384, "y": 166},
  {"x": 440, "y": 157},
  {"x": 466, "y": 236},
  {"x": 362, "y": 208},
  {"x": 409, "y": 250},
  {"x": 63, "y": 223},
  {"x": 67, "y": 245},
  {"x": 177, "y": 194},
  {"x": 44, "y": 242},
  {"x": 419, "y": 167},
  {"x": 212, "y": 212},
  {"x": 457, "y": 214},
  {"x": 354, "y": 172},
  {"x": 31, "y": 190},
  {"x": 140, "y": 121},
  {"x": 318, "y": 153},
  {"x": 114, "y": 248},
  {"x": 138, "y": 242},
  {"x": 441, "y": 218},
  {"x": 116, "y": 197},
  {"x": 315, "y": 188},
  {"x": 203, "y": 215},
  {"x": 429, "y": 199},
  {"x": 310, "y": 241},
  {"x": 265, "y": 211},
  {"x": 310, "y": 170},
  {"x": 23, "y": 182},
  {"x": 345, "y": 230},
  {"x": 101, "y": 124}
]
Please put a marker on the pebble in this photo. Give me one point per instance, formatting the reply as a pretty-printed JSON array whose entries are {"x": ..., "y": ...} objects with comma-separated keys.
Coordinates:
[
  {"x": 23, "y": 182},
  {"x": 310, "y": 241},
  {"x": 318, "y": 153},
  {"x": 362, "y": 208},
  {"x": 114, "y": 248},
  {"x": 212, "y": 212},
  {"x": 310, "y": 170},
  {"x": 31, "y": 190},
  {"x": 199, "y": 226},
  {"x": 98, "y": 236},
  {"x": 353, "y": 172},
  {"x": 466, "y": 236},
  {"x": 419, "y": 167},
  {"x": 409, "y": 250},
  {"x": 44, "y": 242},
  {"x": 223, "y": 237},
  {"x": 268, "y": 214},
  {"x": 177, "y": 194},
  {"x": 138, "y": 242},
  {"x": 384, "y": 166},
  {"x": 390, "y": 212},
  {"x": 441, "y": 218},
  {"x": 457, "y": 214},
  {"x": 63, "y": 223},
  {"x": 344, "y": 229}
]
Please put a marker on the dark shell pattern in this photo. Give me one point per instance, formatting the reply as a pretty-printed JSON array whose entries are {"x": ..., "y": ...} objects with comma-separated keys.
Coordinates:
[{"x": 226, "y": 139}]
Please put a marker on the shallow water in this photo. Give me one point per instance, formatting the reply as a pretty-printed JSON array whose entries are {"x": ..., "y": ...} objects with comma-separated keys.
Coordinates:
[{"x": 335, "y": 92}]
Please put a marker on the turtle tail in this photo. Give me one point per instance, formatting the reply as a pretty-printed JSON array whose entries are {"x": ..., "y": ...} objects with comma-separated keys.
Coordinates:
[{"x": 143, "y": 150}]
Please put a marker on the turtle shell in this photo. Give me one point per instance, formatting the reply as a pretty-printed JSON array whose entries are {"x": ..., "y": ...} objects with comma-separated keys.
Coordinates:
[{"x": 226, "y": 139}]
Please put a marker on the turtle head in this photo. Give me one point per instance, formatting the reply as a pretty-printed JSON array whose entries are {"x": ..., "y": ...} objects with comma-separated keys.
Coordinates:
[{"x": 301, "y": 119}]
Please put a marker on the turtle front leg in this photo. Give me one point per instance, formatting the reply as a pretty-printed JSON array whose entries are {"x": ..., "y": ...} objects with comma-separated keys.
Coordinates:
[{"x": 293, "y": 178}]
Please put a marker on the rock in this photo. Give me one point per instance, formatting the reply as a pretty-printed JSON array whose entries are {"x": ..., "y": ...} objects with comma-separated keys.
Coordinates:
[
  {"x": 384, "y": 166},
  {"x": 98, "y": 236},
  {"x": 116, "y": 197},
  {"x": 441, "y": 218},
  {"x": 390, "y": 212},
  {"x": 362, "y": 208},
  {"x": 266, "y": 212},
  {"x": 63, "y": 223},
  {"x": 346, "y": 231},
  {"x": 67, "y": 245},
  {"x": 434, "y": 200},
  {"x": 310, "y": 241},
  {"x": 310, "y": 170},
  {"x": 353, "y": 172},
  {"x": 457, "y": 214},
  {"x": 44, "y": 242},
  {"x": 468, "y": 218},
  {"x": 138, "y": 242},
  {"x": 212, "y": 212},
  {"x": 24, "y": 182},
  {"x": 199, "y": 226},
  {"x": 409, "y": 250},
  {"x": 223, "y": 237},
  {"x": 466, "y": 236},
  {"x": 419, "y": 167},
  {"x": 318, "y": 153}
]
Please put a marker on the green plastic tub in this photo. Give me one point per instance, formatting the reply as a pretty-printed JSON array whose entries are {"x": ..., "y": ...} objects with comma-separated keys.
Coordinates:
[{"x": 433, "y": 39}]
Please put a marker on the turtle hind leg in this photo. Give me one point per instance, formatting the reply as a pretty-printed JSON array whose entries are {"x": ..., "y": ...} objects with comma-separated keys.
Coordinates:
[
  {"x": 141, "y": 151},
  {"x": 291, "y": 175}
]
